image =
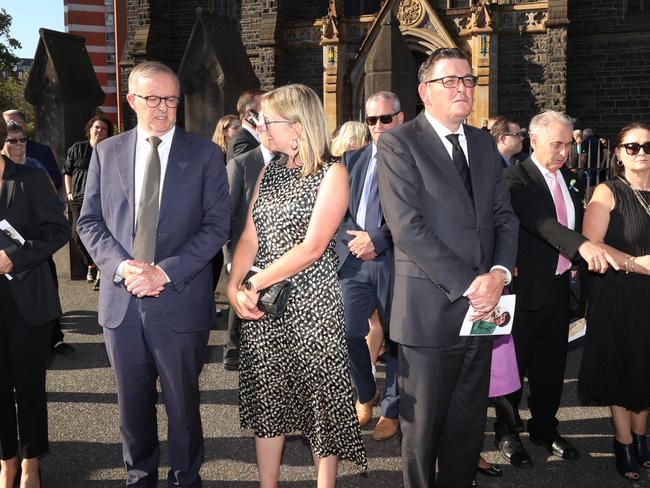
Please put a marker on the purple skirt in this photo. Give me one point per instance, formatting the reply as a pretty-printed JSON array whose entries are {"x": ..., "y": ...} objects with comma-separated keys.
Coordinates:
[{"x": 504, "y": 375}]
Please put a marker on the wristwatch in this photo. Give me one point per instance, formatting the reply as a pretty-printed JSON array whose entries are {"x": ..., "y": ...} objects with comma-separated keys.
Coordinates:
[{"x": 247, "y": 285}]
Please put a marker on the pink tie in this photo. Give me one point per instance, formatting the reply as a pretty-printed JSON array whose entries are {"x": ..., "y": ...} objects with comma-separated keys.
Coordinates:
[{"x": 560, "y": 210}]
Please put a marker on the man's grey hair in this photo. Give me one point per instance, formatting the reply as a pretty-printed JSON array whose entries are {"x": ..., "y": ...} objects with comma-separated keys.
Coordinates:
[
  {"x": 149, "y": 68},
  {"x": 587, "y": 133},
  {"x": 541, "y": 121},
  {"x": 13, "y": 126},
  {"x": 385, "y": 95},
  {"x": 18, "y": 113}
]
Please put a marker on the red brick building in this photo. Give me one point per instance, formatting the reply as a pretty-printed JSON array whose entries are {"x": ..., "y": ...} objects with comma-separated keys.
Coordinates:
[{"x": 95, "y": 21}]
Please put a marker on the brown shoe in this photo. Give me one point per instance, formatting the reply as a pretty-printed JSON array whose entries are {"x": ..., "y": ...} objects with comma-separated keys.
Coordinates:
[
  {"x": 364, "y": 410},
  {"x": 385, "y": 429}
]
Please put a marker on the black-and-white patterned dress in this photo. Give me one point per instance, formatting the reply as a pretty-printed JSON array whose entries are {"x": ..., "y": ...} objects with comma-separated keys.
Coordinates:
[{"x": 294, "y": 372}]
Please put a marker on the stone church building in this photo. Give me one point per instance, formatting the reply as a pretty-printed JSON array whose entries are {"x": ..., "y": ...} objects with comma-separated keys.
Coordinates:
[{"x": 590, "y": 58}]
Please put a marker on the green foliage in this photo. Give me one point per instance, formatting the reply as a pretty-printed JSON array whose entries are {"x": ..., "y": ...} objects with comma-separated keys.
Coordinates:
[
  {"x": 8, "y": 59},
  {"x": 12, "y": 86}
]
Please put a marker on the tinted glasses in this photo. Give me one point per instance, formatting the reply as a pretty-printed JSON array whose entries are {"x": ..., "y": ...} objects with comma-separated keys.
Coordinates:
[
  {"x": 632, "y": 148},
  {"x": 384, "y": 119},
  {"x": 23, "y": 140}
]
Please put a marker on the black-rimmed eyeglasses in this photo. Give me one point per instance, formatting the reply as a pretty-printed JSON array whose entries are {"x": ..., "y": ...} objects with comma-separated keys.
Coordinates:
[
  {"x": 633, "y": 148},
  {"x": 454, "y": 81},
  {"x": 384, "y": 119},
  {"x": 154, "y": 101},
  {"x": 20, "y": 140}
]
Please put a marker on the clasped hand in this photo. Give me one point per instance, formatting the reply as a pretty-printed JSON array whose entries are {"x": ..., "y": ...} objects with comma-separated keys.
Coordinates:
[
  {"x": 142, "y": 279},
  {"x": 361, "y": 246},
  {"x": 484, "y": 293},
  {"x": 5, "y": 263},
  {"x": 597, "y": 258},
  {"x": 245, "y": 303}
]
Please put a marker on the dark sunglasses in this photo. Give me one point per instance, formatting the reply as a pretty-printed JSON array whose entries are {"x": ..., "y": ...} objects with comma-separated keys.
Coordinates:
[
  {"x": 384, "y": 119},
  {"x": 23, "y": 140},
  {"x": 633, "y": 148}
]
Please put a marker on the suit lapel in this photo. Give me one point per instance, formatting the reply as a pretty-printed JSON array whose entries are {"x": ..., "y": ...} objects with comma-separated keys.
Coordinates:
[
  {"x": 356, "y": 189},
  {"x": 179, "y": 158},
  {"x": 571, "y": 181},
  {"x": 125, "y": 161},
  {"x": 7, "y": 191},
  {"x": 476, "y": 165},
  {"x": 432, "y": 145},
  {"x": 540, "y": 183}
]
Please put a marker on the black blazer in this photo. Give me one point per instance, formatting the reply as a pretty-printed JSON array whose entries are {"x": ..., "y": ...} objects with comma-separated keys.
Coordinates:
[
  {"x": 357, "y": 164},
  {"x": 243, "y": 142},
  {"x": 243, "y": 171},
  {"x": 29, "y": 204},
  {"x": 541, "y": 236},
  {"x": 442, "y": 239}
]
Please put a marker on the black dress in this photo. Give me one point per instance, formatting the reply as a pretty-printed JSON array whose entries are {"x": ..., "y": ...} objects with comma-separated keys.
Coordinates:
[
  {"x": 294, "y": 371},
  {"x": 616, "y": 359}
]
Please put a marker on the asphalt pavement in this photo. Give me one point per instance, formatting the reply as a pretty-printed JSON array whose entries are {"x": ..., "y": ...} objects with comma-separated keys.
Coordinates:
[{"x": 85, "y": 449}]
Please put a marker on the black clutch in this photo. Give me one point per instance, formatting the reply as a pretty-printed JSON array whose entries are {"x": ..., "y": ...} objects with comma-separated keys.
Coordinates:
[{"x": 273, "y": 300}]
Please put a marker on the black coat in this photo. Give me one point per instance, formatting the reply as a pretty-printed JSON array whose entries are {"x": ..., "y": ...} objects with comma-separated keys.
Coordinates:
[{"x": 29, "y": 204}]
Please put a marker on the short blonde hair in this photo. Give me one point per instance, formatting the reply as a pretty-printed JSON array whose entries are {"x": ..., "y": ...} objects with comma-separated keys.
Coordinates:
[
  {"x": 219, "y": 136},
  {"x": 299, "y": 103},
  {"x": 351, "y": 135}
]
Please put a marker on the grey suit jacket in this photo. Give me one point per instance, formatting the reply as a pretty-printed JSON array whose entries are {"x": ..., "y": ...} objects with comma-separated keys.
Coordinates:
[
  {"x": 243, "y": 171},
  {"x": 193, "y": 224},
  {"x": 442, "y": 240}
]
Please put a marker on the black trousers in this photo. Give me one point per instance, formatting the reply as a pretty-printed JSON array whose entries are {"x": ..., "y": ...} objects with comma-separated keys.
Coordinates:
[
  {"x": 75, "y": 210},
  {"x": 23, "y": 403},
  {"x": 442, "y": 409},
  {"x": 541, "y": 346}
]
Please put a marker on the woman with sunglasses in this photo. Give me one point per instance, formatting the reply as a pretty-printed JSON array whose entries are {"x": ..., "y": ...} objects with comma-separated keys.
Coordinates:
[
  {"x": 15, "y": 148},
  {"x": 614, "y": 369},
  {"x": 29, "y": 307}
]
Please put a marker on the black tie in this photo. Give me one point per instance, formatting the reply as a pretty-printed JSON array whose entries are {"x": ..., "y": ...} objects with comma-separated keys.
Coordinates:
[
  {"x": 144, "y": 242},
  {"x": 458, "y": 156},
  {"x": 373, "y": 207}
]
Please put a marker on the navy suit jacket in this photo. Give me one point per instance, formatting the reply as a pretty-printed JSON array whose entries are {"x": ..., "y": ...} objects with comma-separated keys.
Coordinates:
[
  {"x": 357, "y": 164},
  {"x": 44, "y": 154},
  {"x": 193, "y": 224}
]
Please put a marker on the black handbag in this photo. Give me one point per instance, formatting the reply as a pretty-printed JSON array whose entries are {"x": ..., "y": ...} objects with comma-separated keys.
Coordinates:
[{"x": 274, "y": 299}]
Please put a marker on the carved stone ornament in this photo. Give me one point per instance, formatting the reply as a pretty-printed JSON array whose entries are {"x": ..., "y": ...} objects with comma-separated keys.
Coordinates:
[
  {"x": 410, "y": 12},
  {"x": 481, "y": 16}
]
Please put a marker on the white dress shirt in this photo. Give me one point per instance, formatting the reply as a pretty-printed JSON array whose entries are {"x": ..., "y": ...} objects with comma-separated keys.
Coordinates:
[
  {"x": 442, "y": 133},
  {"x": 570, "y": 209},
  {"x": 142, "y": 148},
  {"x": 365, "y": 193},
  {"x": 267, "y": 154}
]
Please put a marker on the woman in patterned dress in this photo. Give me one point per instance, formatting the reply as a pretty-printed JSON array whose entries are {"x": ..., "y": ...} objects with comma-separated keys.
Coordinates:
[{"x": 294, "y": 373}]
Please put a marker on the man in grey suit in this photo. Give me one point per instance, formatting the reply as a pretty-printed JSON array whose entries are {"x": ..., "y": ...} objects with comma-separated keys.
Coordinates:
[
  {"x": 243, "y": 171},
  {"x": 455, "y": 242},
  {"x": 155, "y": 212},
  {"x": 246, "y": 138}
]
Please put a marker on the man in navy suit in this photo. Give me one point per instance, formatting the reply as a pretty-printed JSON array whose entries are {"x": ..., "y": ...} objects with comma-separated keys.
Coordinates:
[
  {"x": 155, "y": 212},
  {"x": 365, "y": 250}
]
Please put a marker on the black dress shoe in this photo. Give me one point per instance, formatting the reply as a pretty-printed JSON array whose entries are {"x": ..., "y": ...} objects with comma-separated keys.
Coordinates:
[
  {"x": 63, "y": 348},
  {"x": 493, "y": 471},
  {"x": 557, "y": 446},
  {"x": 511, "y": 448}
]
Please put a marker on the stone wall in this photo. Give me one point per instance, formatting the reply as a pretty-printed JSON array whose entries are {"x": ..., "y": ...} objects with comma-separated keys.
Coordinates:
[
  {"x": 608, "y": 69},
  {"x": 521, "y": 81}
]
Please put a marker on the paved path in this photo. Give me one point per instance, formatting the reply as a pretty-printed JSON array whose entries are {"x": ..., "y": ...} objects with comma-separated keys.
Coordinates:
[{"x": 85, "y": 444}]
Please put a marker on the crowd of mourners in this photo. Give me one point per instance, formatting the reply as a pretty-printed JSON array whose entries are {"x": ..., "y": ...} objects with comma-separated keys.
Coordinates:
[{"x": 374, "y": 246}]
